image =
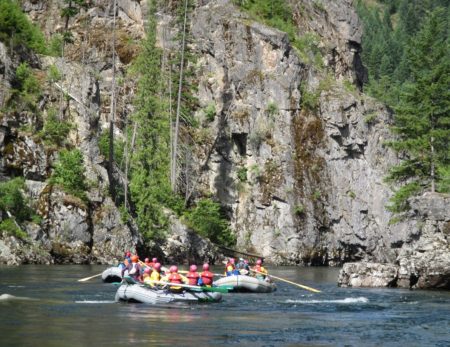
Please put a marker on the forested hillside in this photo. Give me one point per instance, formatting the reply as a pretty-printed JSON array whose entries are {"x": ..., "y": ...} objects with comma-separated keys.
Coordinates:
[{"x": 406, "y": 49}]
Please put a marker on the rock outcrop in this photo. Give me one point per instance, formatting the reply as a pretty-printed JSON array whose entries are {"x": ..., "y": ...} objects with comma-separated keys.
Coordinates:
[
  {"x": 72, "y": 230},
  {"x": 313, "y": 191},
  {"x": 423, "y": 260}
]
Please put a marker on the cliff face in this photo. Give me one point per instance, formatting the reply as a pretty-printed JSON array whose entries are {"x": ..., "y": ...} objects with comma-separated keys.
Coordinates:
[
  {"x": 313, "y": 192},
  {"x": 71, "y": 230},
  {"x": 294, "y": 151}
]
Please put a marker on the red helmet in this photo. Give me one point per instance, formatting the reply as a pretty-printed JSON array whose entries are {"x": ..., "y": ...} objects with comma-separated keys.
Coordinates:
[
  {"x": 127, "y": 254},
  {"x": 147, "y": 270},
  {"x": 206, "y": 267},
  {"x": 259, "y": 262},
  {"x": 173, "y": 268},
  {"x": 157, "y": 266},
  {"x": 232, "y": 260},
  {"x": 147, "y": 260},
  {"x": 134, "y": 258},
  {"x": 193, "y": 268},
  {"x": 154, "y": 260}
]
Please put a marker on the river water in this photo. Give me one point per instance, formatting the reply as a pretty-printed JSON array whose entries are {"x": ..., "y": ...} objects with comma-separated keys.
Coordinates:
[{"x": 46, "y": 306}]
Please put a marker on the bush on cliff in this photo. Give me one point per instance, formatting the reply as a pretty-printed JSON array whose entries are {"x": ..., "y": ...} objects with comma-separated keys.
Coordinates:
[
  {"x": 16, "y": 28},
  {"x": 69, "y": 173},
  {"x": 208, "y": 220}
]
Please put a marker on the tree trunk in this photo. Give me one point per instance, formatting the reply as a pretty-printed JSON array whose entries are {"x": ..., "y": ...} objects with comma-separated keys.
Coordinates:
[
  {"x": 177, "y": 117},
  {"x": 127, "y": 161},
  {"x": 112, "y": 108}
]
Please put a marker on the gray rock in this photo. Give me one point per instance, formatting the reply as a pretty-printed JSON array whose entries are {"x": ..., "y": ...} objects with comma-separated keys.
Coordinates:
[
  {"x": 368, "y": 275},
  {"x": 183, "y": 246}
]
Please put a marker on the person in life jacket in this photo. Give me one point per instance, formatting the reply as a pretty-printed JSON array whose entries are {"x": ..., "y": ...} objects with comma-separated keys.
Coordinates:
[
  {"x": 175, "y": 278},
  {"x": 260, "y": 271},
  {"x": 240, "y": 266},
  {"x": 134, "y": 271},
  {"x": 147, "y": 262},
  {"x": 206, "y": 277},
  {"x": 154, "y": 275},
  {"x": 151, "y": 263},
  {"x": 193, "y": 276},
  {"x": 146, "y": 274},
  {"x": 246, "y": 266},
  {"x": 126, "y": 261},
  {"x": 230, "y": 268}
]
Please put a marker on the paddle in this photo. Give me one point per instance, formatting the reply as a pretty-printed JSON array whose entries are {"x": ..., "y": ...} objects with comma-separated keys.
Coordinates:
[
  {"x": 88, "y": 278},
  {"x": 287, "y": 281}
]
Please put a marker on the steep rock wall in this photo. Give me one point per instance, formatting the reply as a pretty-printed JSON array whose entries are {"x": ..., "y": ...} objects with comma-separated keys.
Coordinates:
[{"x": 303, "y": 185}]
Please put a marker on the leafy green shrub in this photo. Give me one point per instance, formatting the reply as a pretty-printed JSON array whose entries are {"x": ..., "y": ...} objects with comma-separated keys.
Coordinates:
[
  {"x": 119, "y": 148},
  {"x": 399, "y": 201},
  {"x": 12, "y": 200},
  {"x": 370, "y": 118},
  {"x": 210, "y": 112},
  {"x": 443, "y": 183},
  {"x": 53, "y": 74},
  {"x": 309, "y": 100},
  {"x": 316, "y": 195},
  {"x": 242, "y": 174},
  {"x": 299, "y": 209},
  {"x": 55, "y": 131},
  {"x": 26, "y": 81},
  {"x": 15, "y": 26},
  {"x": 272, "y": 109},
  {"x": 55, "y": 45},
  {"x": 307, "y": 47},
  {"x": 208, "y": 220},
  {"x": 69, "y": 173},
  {"x": 10, "y": 228}
]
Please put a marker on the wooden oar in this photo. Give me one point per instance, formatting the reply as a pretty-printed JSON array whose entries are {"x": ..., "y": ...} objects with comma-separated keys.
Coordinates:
[
  {"x": 287, "y": 281},
  {"x": 88, "y": 278}
]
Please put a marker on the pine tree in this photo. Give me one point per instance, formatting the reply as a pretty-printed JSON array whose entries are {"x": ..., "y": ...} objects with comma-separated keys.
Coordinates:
[
  {"x": 150, "y": 163},
  {"x": 422, "y": 119}
]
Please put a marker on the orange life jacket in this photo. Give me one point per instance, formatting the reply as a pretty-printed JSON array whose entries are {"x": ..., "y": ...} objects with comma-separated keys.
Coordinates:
[
  {"x": 175, "y": 278},
  {"x": 207, "y": 278},
  {"x": 193, "y": 277}
]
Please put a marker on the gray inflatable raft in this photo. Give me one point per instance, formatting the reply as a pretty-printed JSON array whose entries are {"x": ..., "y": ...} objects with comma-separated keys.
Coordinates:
[
  {"x": 112, "y": 274},
  {"x": 242, "y": 283},
  {"x": 144, "y": 294}
]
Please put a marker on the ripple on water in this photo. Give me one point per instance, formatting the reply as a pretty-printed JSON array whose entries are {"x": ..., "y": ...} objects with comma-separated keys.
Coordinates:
[{"x": 360, "y": 300}]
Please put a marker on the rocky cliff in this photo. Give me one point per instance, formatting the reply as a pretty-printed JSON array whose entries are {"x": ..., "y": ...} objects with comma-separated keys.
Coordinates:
[{"x": 294, "y": 149}]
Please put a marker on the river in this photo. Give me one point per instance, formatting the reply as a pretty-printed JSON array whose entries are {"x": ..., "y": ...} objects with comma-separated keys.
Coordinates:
[{"x": 46, "y": 306}]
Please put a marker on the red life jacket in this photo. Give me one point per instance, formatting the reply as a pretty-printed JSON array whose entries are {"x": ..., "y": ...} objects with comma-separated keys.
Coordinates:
[
  {"x": 207, "y": 278},
  {"x": 193, "y": 277},
  {"x": 175, "y": 278}
]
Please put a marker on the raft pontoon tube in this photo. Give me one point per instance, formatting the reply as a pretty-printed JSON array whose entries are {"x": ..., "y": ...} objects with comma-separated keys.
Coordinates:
[
  {"x": 144, "y": 294},
  {"x": 242, "y": 283},
  {"x": 112, "y": 274}
]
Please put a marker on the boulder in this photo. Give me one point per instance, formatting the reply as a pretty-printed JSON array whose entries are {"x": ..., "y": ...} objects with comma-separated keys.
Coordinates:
[
  {"x": 368, "y": 275},
  {"x": 184, "y": 246}
]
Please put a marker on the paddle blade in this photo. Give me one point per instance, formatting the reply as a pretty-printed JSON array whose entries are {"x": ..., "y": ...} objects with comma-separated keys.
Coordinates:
[{"x": 88, "y": 278}]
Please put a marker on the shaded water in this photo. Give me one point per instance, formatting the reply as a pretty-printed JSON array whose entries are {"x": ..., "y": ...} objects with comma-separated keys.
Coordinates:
[{"x": 48, "y": 307}]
